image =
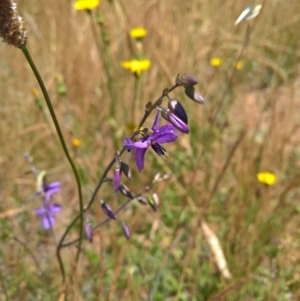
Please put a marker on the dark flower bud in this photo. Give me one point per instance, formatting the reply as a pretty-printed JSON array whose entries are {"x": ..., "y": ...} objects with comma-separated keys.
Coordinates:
[
  {"x": 125, "y": 191},
  {"x": 126, "y": 230},
  {"x": 176, "y": 108},
  {"x": 194, "y": 95},
  {"x": 126, "y": 170},
  {"x": 88, "y": 229},
  {"x": 186, "y": 80},
  {"x": 142, "y": 199},
  {"x": 107, "y": 210}
]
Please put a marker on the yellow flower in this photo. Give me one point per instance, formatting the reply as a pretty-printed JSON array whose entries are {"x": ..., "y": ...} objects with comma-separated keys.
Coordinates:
[
  {"x": 136, "y": 66},
  {"x": 138, "y": 32},
  {"x": 76, "y": 142},
  {"x": 86, "y": 4},
  {"x": 266, "y": 177},
  {"x": 216, "y": 61},
  {"x": 239, "y": 65}
]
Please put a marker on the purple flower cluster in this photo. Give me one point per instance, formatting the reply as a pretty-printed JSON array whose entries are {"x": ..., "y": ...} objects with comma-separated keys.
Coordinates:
[{"x": 47, "y": 211}]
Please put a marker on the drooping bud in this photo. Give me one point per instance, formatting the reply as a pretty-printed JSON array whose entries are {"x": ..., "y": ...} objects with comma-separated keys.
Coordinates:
[
  {"x": 88, "y": 229},
  {"x": 126, "y": 170},
  {"x": 142, "y": 199},
  {"x": 178, "y": 123},
  {"x": 117, "y": 179},
  {"x": 154, "y": 201},
  {"x": 117, "y": 173},
  {"x": 107, "y": 210},
  {"x": 186, "y": 80},
  {"x": 12, "y": 30},
  {"x": 191, "y": 93},
  {"x": 173, "y": 119},
  {"x": 177, "y": 109},
  {"x": 157, "y": 178},
  {"x": 126, "y": 230},
  {"x": 125, "y": 191}
]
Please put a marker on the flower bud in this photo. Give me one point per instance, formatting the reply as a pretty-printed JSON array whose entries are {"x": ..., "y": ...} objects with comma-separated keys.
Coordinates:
[
  {"x": 154, "y": 201},
  {"x": 186, "y": 80},
  {"x": 126, "y": 230},
  {"x": 126, "y": 170},
  {"x": 117, "y": 179},
  {"x": 178, "y": 123},
  {"x": 194, "y": 95},
  {"x": 107, "y": 210},
  {"x": 88, "y": 229},
  {"x": 125, "y": 191},
  {"x": 177, "y": 109},
  {"x": 142, "y": 199}
]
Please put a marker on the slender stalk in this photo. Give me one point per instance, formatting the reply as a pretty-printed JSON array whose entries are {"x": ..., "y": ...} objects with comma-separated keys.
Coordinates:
[
  {"x": 63, "y": 144},
  {"x": 112, "y": 162}
]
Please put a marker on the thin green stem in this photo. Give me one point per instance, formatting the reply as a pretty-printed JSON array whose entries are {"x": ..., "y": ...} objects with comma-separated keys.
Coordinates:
[{"x": 62, "y": 141}]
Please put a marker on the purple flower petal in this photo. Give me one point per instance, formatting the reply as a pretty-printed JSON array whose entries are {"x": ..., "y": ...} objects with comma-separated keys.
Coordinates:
[
  {"x": 129, "y": 144},
  {"x": 155, "y": 125},
  {"x": 47, "y": 221},
  {"x": 140, "y": 157},
  {"x": 54, "y": 208},
  {"x": 40, "y": 211}
]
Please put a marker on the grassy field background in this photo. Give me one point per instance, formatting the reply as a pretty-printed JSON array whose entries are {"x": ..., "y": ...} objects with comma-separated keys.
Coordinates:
[{"x": 249, "y": 123}]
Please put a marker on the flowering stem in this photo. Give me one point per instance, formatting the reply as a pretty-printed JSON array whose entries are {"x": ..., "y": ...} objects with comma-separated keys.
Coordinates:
[
  {"x": 62, "y": 141},
  {"x": 111, "y": 164}
]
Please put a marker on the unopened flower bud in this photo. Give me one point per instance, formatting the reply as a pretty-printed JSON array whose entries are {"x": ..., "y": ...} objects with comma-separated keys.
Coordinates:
[
  {"x": 154, "y": 201},
  {"x": 157, "y": 177},
  {"x": 117, "y": 179},
  {"x": 126, "y": 170},
  {"x": 186, "y": 80},
  {"x": 177, "y": 109},
  {"x": 88, "y": 229},
  {"x": 142, "y": 199},
  {"x": 126, "y": 230},
  {"x": 125, "y": 191},
  {"x": 194, "y": 95},
  {"x": 107, "y": 210},
  {"x": 178, "y": 123}
]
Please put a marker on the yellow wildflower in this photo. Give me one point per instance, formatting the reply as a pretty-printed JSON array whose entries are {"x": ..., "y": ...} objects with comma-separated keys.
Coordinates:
[
  {"x": 216, "y": 61},
  {"x": 266, "y": 177},
  {"x": 239, "y": 65},
  {"x": 138, "y": 32},
  {"x": 136, "y": 66},
  {"x": 86, "y": 4},
  {"x": 76, "y": 142}
]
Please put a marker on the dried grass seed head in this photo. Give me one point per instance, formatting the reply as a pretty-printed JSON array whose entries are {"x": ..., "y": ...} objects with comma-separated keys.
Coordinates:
[{"x": 12, "y": 30}]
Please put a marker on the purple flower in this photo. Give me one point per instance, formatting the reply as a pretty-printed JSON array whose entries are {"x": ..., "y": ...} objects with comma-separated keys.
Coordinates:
[
  {"x": 50, "y": 189},
  {"x": 159, "y": 135},
  {"x": 48, "y": 210},
  {"x": 47, "y": 214}
]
